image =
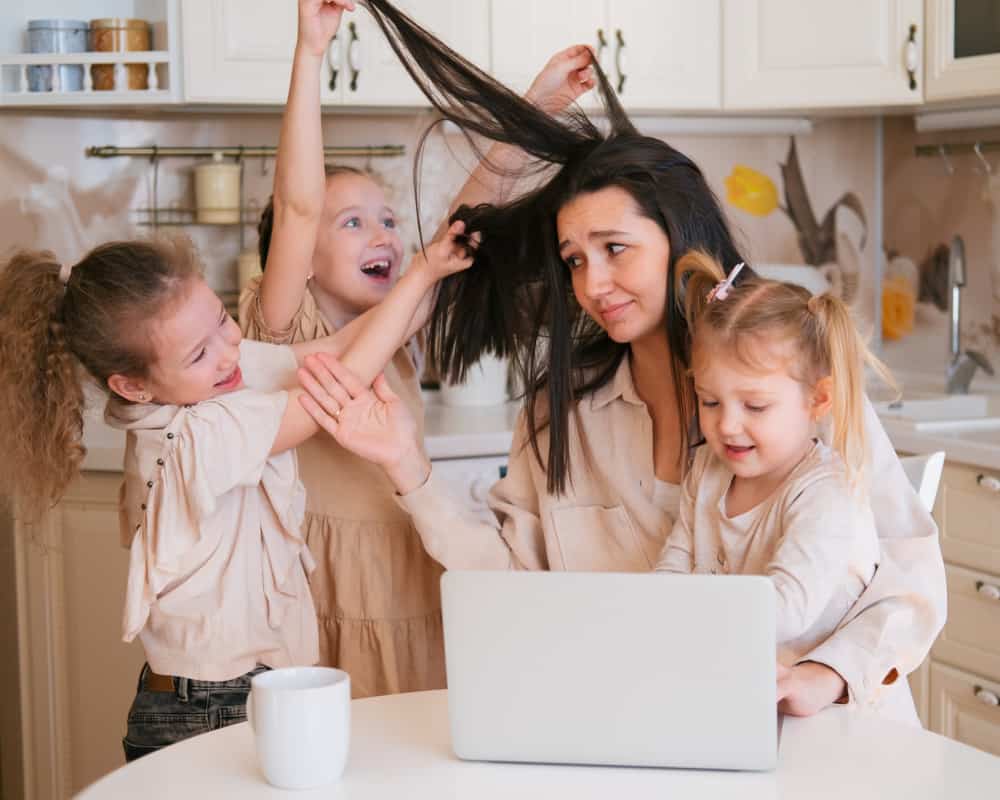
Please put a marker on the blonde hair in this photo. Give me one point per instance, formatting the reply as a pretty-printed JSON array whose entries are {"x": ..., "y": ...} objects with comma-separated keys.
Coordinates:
[
  {"x": 820, "y": 327},
  {"x": 50, "y": 331}
]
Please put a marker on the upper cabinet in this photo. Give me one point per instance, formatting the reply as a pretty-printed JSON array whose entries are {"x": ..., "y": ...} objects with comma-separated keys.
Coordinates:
[
  {"x": 240, "y": 51},
  {"x": 963, "y": 49},
  {"x": 663, "y": 55},
  {"x": 802, "y": 54}
]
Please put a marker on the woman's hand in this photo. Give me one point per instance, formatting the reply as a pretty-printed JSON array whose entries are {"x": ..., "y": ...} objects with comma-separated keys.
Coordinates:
[
  {"x": 371, "y": 423},
  {"x": 807, "y": 688},
  {"x": 319, "y": 21},
  {"x": 563, "y": 79},
  {"x": 451, "y": 253}
]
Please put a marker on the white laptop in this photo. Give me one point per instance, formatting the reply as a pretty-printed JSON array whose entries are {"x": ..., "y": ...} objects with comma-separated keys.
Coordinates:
[{"x": 606, "y": 668}]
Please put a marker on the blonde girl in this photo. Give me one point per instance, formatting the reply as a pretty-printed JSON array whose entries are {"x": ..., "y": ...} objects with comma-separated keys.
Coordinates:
[
  {"x": 770, "y": 364},
  {"x": 211, "y": 505},
  {"x": 376, "y": 590}
]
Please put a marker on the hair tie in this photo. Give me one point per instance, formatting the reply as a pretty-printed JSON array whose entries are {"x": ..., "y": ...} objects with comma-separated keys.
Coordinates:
[
  {"x": 64, "y": 272},
  {"x": 721, "y": 290}
]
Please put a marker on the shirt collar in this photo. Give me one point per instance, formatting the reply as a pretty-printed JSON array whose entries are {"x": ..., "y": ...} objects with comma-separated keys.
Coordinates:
[{"x": 620, "y": 386}]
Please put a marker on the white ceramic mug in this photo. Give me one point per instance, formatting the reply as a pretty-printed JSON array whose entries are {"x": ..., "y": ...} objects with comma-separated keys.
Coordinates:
[{"x": 301, "y": 719}]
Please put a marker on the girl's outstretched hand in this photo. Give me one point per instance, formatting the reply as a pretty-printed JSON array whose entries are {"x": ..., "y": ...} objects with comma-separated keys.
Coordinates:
[
  {"x": 319, "y": 21},
  {"x": 807, "y": 688},
  {"x": 372, "y": 423},
  {"x": 451, "y": 253},
  {"x": 563, "y": 79}
]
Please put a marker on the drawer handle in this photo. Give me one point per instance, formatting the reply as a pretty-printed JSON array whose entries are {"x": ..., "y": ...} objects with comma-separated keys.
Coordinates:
[
  {"x": 986, "y": 696},
  {"x": 988, "y": 590},
  {"x": 989, "y": 483}
]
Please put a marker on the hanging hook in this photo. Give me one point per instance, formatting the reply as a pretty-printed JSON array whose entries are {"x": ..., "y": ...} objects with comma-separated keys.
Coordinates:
[
  {"x": 943, "y": 152},
  {"x": 977, "y": 149}
]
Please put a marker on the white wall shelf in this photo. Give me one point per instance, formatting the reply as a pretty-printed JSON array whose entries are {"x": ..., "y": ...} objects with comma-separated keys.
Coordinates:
[{"x": 162, "y": 62}]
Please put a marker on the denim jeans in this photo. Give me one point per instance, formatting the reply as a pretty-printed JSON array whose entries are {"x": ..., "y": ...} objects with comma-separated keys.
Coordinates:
[{"x": 159, "y": 718}]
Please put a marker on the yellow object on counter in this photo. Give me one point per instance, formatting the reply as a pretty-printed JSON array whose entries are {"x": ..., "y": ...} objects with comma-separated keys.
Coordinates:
[
  {"x": 898, "y": 308},
  {"x": 751, "y": 191}
]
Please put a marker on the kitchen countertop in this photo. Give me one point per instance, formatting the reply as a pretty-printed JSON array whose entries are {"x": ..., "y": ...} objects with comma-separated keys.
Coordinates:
[
  {"x": 470, "y": 432},
  {"x": 450, "y": 432}
]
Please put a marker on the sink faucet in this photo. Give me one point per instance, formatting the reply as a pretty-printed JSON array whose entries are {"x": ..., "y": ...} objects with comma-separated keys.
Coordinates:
[{"x": 962, "y": 366}]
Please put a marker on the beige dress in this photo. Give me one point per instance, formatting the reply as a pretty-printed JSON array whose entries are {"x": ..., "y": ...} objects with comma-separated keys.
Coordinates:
[{"x": 376, "y": 591}]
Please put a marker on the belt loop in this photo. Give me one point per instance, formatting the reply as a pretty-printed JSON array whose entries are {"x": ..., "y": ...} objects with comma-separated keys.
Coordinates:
[{"x": 182, "y": 688}]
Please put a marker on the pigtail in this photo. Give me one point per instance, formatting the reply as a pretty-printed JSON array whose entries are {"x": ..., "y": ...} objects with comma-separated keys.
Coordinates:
[
  {"x": 847, "y": 356},
  {"x": 41, "y": 396},
  {"x": 696, "y": 274}
]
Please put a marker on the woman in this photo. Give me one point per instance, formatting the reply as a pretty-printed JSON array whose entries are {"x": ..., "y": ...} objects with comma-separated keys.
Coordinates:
[{"x": 575, "y": 280}]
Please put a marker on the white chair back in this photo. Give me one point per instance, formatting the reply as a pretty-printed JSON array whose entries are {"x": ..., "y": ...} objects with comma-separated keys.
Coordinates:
[{"x": 924, "y": 473}]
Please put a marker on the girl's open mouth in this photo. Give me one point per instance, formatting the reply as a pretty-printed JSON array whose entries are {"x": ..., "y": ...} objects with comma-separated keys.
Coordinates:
[
  {"x": 231, "y": 381},
  {"x": 738, "y": 451},
  {"x": 379, "y": 269}
]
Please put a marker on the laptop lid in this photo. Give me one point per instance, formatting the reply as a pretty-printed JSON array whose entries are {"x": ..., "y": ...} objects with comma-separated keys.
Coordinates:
[{"x": 609, "y": 668}]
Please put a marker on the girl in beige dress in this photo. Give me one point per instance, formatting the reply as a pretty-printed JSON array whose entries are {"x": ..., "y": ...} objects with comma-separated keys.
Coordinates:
[{"x": 375, "y": 588}]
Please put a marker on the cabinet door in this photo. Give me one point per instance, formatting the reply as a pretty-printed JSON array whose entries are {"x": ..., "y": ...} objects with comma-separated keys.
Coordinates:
[
  {"x": 666, "y": 55},
  {"x": 968, "y": 517},
  {"x": 963, "y": 49},
  {"x": 965, "y": 707},
  {"x": 971, "y": 636},
  {"x": 525, "y": 35},
  {"x": 782, "y": 54},
  {"x": 240, "y": 51},
  {"x": 374, "y": 75}
]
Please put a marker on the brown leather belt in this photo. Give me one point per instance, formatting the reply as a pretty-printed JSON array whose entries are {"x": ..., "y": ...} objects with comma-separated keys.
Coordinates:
[{"x": 158, "y": 683}]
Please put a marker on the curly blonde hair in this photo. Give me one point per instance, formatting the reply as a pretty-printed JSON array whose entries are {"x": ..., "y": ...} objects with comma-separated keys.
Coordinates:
[{"x": 49, "y": 329}]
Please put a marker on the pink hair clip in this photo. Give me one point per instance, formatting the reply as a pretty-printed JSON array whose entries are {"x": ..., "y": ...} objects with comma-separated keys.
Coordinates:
[{"x": 721, "y": 290}]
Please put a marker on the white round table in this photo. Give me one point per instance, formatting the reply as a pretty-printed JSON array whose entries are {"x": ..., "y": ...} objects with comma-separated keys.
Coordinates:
[{"x": 401, "y": 748}]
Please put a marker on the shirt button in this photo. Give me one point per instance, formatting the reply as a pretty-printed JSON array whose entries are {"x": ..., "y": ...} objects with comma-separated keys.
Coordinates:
[
  {"x": 143, "y": 506},
  {"x": 159, "y": 462},
  {"x": 170, "y": 436},
  {"x": 149, "y": 484}
]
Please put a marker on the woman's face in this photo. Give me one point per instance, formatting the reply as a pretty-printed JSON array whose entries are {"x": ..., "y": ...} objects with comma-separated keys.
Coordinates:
[{"x": 618, "y": 261}]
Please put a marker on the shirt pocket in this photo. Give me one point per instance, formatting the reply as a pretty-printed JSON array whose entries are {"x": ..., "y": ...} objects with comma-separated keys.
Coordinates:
[{"x": 598, "y": 539}]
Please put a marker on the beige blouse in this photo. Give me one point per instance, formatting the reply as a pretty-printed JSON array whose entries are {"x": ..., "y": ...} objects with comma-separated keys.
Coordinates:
[
  {"x": 612, "y": 517},
  {"x": 376, "y": 591},
  {"x": 217, "y": 565}
]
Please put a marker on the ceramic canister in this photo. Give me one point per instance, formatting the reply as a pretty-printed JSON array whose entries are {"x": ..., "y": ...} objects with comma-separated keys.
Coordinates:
[
  {"x": 56, "y": 36},
  {"x": 217, "y": 192}
]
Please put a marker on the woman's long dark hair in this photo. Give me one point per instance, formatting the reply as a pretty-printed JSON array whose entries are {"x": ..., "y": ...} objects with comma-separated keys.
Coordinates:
[{"x": 517, "y": 298}]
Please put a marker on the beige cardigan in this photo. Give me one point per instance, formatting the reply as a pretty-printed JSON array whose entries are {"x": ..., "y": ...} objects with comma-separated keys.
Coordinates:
[{"x": 609, "y": 520}]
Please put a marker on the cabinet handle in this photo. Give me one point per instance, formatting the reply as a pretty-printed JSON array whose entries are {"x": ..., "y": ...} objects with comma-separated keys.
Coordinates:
[
  {"x": 333, "y": 59},
  {"x": 912, "y": 57},
  {"x": 988, "y": 590},
  {"x": 989, "y": 483},
  {"x": 352, "y": 56},
  {"x": 620, "y": 60},
  {"x": 986, "y": 696},
  {"x": 602, "y": 46}
]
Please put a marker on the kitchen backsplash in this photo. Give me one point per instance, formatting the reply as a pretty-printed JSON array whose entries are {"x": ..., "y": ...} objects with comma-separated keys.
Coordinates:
[
  {"x": 925, "y": 206},
  {"x": 57, "y": 198}
]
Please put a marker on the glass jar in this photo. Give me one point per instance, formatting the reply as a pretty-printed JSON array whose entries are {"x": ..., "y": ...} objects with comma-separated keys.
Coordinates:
[{"x": 119, "y": 35}]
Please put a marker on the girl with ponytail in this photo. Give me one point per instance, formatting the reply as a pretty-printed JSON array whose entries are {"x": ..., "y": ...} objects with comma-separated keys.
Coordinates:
[
  {"x": 576, "y": 281},
  {"x": 764, "y": 495},
  {"x": 211, "y": 504}
]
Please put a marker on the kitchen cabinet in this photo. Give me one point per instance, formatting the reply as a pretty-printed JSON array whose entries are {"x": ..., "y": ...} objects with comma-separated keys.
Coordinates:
[
  {"x": 810, "y": 54},
  {"x": 658, "y": 56},
  {"x": 240, "y": 51},
  {"x": 957, "y": 689},
  {"x": 963, "y": 49}
]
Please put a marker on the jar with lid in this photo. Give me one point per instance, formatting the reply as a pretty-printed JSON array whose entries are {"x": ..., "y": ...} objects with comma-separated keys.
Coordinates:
[
  {"x": 56, "y": 36},
  {"x": 217, "y": 191},
  {"x": 119, "y": 35}
]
